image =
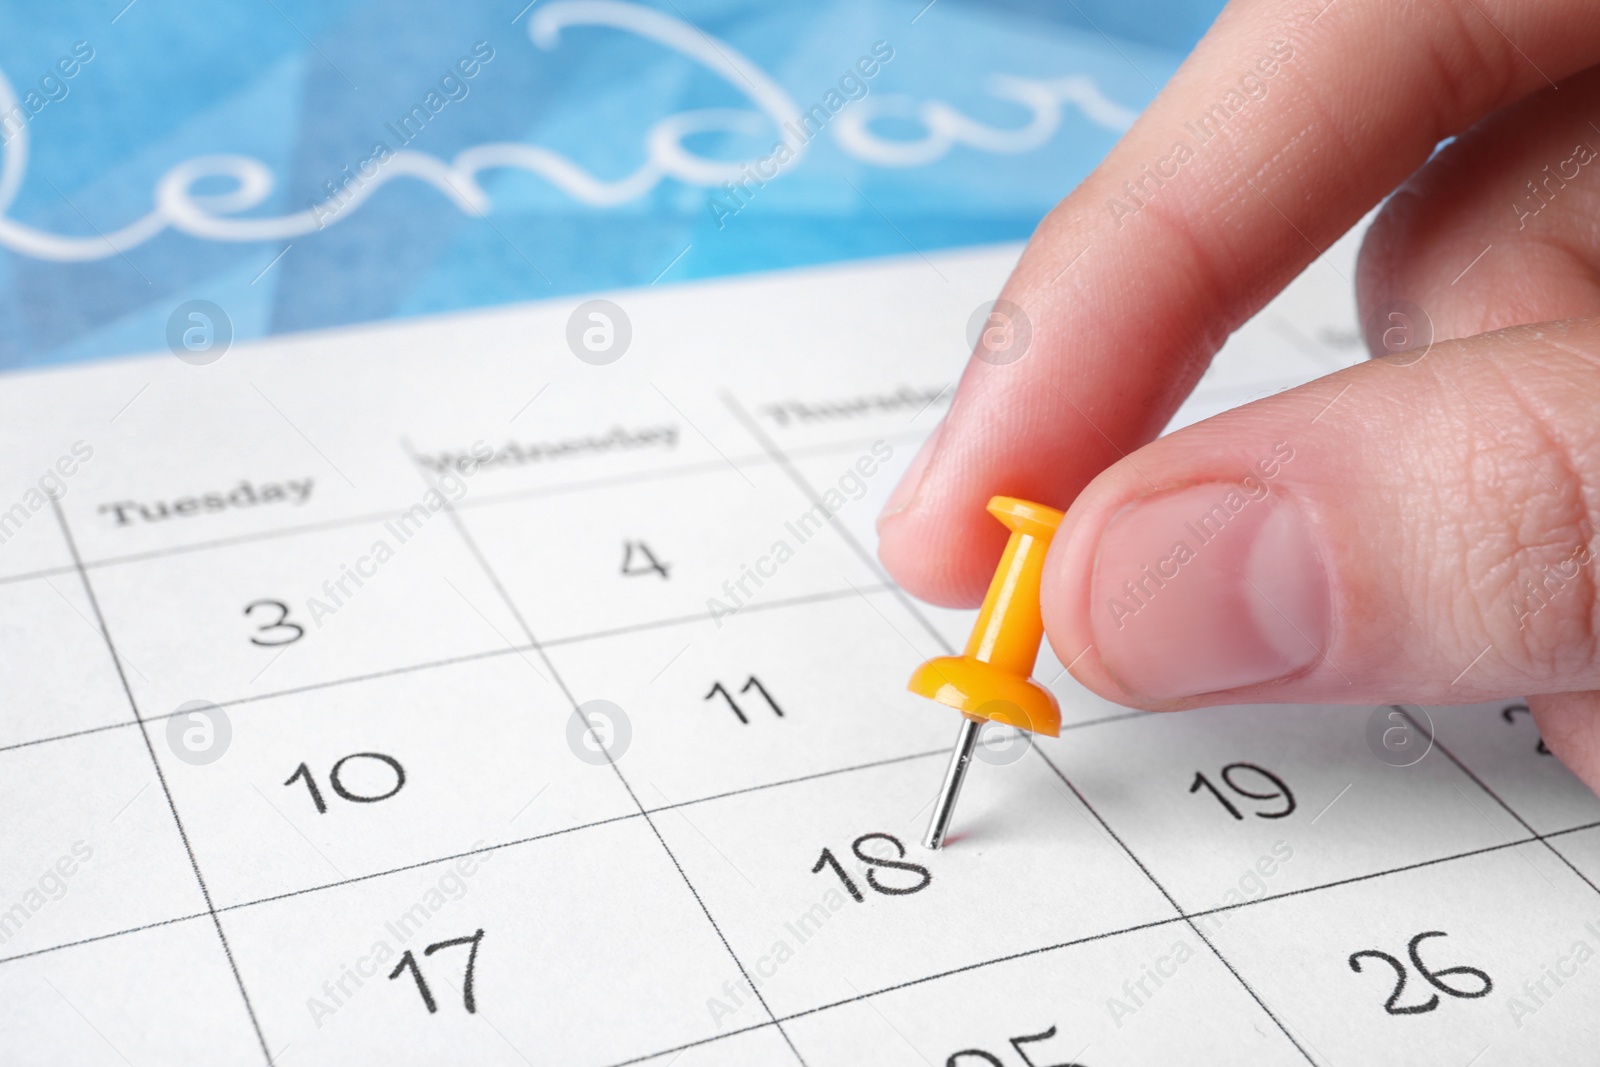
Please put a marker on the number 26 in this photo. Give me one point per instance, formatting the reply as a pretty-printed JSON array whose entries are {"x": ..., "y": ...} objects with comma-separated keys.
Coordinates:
[{"x": 1433, "y": 978}]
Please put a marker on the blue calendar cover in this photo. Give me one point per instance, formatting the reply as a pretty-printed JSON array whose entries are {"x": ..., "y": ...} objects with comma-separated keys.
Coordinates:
[{"x": 313, "y": 163}]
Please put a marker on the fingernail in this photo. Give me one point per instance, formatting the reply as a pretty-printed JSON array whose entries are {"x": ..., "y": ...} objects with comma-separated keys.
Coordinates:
[
  {"x": 905, "y": 493},
  {"x": 1207, "y": 589}
]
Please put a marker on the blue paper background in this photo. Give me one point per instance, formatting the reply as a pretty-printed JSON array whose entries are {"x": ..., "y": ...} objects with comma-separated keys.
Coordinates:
[{"x": 307, "y": 88}]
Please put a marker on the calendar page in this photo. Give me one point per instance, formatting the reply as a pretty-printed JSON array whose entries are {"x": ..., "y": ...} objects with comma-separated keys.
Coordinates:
[{"x": 521, "y": 686}]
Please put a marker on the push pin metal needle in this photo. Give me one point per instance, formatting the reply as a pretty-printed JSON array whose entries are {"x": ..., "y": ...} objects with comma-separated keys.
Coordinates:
[{"x": 990, "y": 681}]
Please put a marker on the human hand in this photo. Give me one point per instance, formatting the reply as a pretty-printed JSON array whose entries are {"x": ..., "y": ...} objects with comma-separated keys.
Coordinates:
[{"x": 1421, "y": 527}]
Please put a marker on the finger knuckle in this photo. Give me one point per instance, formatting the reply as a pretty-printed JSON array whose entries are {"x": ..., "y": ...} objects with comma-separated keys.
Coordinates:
[
  {"x": 1473, "y": 66},
  {"x": 1534, "y": 505}
]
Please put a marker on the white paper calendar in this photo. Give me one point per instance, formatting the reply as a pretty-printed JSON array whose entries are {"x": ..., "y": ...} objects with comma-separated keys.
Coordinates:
[{"x": 291, "y": 770}]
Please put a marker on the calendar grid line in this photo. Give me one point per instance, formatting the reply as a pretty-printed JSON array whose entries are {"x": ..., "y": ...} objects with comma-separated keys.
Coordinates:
[
  {"x": 1219, "y": 909},
  {"x": 487, "y": 500},
  {"x": 662, "y": 473},
  {"x": 124, "y": 932},
  {"x": 480, "y": 851},
  {"x": 497, "y": 846},
  {"x": 1009, "y": 957},
  {"x": 554, "y": 642},
  {"x": 1154, "y": 924},
  {"x": 753, "y": 608},
  {"x": 1058, "y": 946},
  {"x": 678, "y": 1050},
  {"x": 1481, "y": 850},
  {"x": 674, "y": 806},
  {"x": 85, "y": 732},
  {"x": 1194, "y": 926},
  {"x": 291, "y": 530},
  {"x": 364, "y": 518},
  {"x": 161, "y": 777},
  {"x": 834, "y": 772},
  {"x": 795, "y": 475},
  {"x": 419, "y": 864},
  {"x": 468, "y": 657},
  {"x": 43, "y": 572},
  {"x": 527, "y": 631},
  {"x": 1183, "y": 918},
  {"x": 1498, "y": 799}
]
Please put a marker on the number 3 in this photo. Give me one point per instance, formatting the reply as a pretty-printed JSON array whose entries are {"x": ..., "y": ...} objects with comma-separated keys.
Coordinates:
[{"x": 280, "y": 623}]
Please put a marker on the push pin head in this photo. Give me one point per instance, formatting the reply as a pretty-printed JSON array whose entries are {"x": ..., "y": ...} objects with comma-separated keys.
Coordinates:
[{"x": 991, "y": 680}]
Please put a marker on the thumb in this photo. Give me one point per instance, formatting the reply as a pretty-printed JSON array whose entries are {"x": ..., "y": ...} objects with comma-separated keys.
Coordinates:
[{"x": 1413, "y": 528}]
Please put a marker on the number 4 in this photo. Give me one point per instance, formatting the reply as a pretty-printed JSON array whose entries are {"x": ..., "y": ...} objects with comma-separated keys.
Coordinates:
[{"x": 651, "y": 565}]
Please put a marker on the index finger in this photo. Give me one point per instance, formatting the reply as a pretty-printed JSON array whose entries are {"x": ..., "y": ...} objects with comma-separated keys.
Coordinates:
[{"x": 1286, "y": 124}]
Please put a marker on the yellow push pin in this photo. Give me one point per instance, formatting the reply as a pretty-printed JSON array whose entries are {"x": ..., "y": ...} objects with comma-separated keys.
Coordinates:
[{"x": 990, "y": 680}]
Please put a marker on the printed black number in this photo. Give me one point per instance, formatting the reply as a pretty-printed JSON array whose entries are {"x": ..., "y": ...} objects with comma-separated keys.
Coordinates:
[
  {"x": 750, "y": 683},
  {"x": 923, "y": 877},
  {"x": 1393, "y": 1005},
  {"x": 1433, "y": 978},
  {"x": 408, "y": 962},
  {"x": 335, "y": 779},
  {"x": 1510, "y": 715},
  {"x": 1282, "y": 792},
  {"x": 828, "y": 859},
  {"x": 638, "y": 559},
  {"x": 293, "y": 631},
  {"x": 955, "y": 1059}
]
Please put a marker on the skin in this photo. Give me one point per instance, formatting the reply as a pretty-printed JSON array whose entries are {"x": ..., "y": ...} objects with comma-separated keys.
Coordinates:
[{"x": 1433, "y": 488}]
